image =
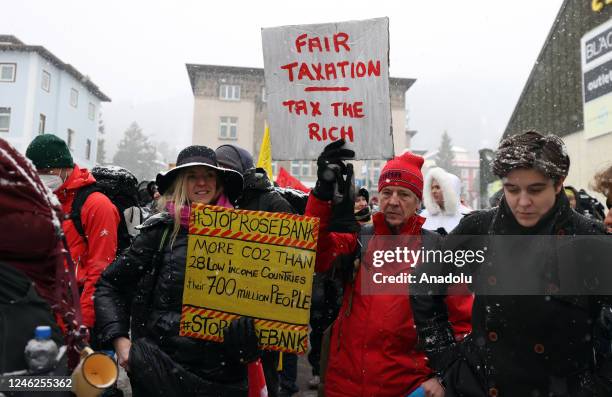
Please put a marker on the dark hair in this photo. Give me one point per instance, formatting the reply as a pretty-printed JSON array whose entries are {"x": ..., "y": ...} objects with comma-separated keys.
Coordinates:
[
  {"x": 532, "y": 150},
  {"x": 364, "y": 193}
]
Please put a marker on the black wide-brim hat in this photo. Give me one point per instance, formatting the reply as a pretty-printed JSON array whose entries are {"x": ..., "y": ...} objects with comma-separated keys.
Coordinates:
[{"x": 196, "y": 155}]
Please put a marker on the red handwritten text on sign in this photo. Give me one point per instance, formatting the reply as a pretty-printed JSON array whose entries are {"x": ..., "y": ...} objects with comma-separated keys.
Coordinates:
[
  {"x": 328, "y": 71},
  {"x": 327, "y": 82}
]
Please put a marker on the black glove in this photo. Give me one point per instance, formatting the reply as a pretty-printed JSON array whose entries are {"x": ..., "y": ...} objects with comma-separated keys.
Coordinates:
[
  {"x": 343, "y": 205},
  {"x": 240, "y": 340},
  {"x": 330, "y": 168},
  {"x": 438, "y": 343}
]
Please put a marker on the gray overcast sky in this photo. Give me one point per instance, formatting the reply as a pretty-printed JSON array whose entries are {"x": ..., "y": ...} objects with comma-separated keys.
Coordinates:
[{"x": 471, "y": 58}]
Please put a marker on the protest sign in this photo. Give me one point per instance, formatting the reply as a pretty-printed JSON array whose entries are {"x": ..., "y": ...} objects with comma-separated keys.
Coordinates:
[
  {"x": 249, "y": 263},
  {"x": 325, "y": 82}
]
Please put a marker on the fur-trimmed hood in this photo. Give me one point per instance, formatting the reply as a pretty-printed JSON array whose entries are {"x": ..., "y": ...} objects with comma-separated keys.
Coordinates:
[
  {"x": 435, "y": 217},
  {"x": 451, "y": 190}
]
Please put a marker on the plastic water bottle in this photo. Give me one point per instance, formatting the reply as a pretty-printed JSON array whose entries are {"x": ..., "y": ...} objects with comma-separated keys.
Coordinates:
[{"x": 41, "y": 352}]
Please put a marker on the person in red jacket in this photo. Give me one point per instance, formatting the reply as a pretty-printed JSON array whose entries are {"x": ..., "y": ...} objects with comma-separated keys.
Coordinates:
[
  {"x": 373, "y": 347},
  {"x": 99, "y": 216}
]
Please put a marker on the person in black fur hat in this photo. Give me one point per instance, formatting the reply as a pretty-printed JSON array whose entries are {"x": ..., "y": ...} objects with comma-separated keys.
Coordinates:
[{"x": 533, "y": 333}]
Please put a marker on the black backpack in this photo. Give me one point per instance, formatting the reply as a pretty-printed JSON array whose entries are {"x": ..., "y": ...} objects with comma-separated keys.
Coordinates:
[
  {"x": 121, "y": 187},
  {"x": 21, "y": 311}
]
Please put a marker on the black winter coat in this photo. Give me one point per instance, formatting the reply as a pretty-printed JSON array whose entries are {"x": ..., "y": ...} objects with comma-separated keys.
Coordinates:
[
  {"x": 521, "y": 345},
  {"x": 259, "y": 194},
  {"x": 162, "y": 308}
]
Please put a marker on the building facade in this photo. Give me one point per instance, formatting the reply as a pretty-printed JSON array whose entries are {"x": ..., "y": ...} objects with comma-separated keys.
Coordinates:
[
  {"x": 230, "y": 107},
  {"x": 41, "y": 94},
  {"x": 552, "y": 99}
]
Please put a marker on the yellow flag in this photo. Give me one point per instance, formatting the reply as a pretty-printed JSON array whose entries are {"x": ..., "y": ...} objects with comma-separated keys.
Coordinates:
[{"x": 265, "y": 153}]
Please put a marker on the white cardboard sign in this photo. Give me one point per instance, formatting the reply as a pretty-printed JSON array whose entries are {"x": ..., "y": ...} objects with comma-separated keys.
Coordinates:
[{"x": 325, "y": 82}]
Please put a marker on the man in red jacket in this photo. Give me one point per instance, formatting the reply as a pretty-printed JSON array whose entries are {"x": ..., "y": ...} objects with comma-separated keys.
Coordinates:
[
  {"x": 99, "y": 215},
  {"x": 373, "y": 346}
]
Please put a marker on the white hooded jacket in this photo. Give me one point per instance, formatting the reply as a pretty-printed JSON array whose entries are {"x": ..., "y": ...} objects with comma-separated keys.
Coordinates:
[{"x": 453, "y": 211}]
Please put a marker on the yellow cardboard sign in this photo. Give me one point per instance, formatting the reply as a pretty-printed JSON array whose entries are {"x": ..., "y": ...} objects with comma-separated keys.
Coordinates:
[{"x": 249, "y": 263}]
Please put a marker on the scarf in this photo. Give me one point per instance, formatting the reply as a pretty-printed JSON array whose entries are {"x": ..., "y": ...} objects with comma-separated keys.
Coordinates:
[
  {"x": 554, "y": 220},
  {"x": 363, "y": 215},
  {"x": 520, "y": 264}
]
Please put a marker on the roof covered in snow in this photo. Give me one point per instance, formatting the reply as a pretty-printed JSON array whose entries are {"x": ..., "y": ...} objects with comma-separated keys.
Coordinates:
[
  {"x": 12, "y": 43},
  {"x": 551, "y": 101}
]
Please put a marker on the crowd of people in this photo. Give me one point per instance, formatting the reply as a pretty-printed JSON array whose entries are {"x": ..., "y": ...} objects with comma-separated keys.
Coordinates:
[{"x": 101, "y": 259}]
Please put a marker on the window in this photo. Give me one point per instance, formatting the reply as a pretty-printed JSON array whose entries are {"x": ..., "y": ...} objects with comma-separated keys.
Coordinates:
[
  {"x": 74, "y": 98},
  {"x": 5, "y": 119},
  {"x": 375, "y": 172},
  {"x": 264, "y": 97},
  {"x": 88, "y": 149},
  {"x": 91, "y": 111},
  {"x": 295, "y": 168},
  {"x": 305, "y": 168},
  {"x": 46, "y": 81},
  {"x": 228, "y": 127},
  {"x": 229, "y": 92},
  {"x": 8, "y": 72},
  {"x": 42, "y": 122},
  {"x": 70, "y": 140}
]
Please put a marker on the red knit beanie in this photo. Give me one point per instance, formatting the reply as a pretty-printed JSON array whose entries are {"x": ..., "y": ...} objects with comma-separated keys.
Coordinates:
[{"x": 404, "y": 171}]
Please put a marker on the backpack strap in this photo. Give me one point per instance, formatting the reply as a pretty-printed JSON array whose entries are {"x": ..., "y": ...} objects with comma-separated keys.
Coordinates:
[
  {"x": 351, "y": 263},
  {"x": 162, "y": 240},
  {"x": 77, "y": 205},
  {"x": 364, "y": 236}
]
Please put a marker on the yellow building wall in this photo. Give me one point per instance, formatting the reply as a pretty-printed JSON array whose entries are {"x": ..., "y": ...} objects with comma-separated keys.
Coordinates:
[{"x": 207, "y": 113}]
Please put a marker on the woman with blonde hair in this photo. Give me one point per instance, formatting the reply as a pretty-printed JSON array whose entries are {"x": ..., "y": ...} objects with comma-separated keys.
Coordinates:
[{"x": 139, "y": 296}]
